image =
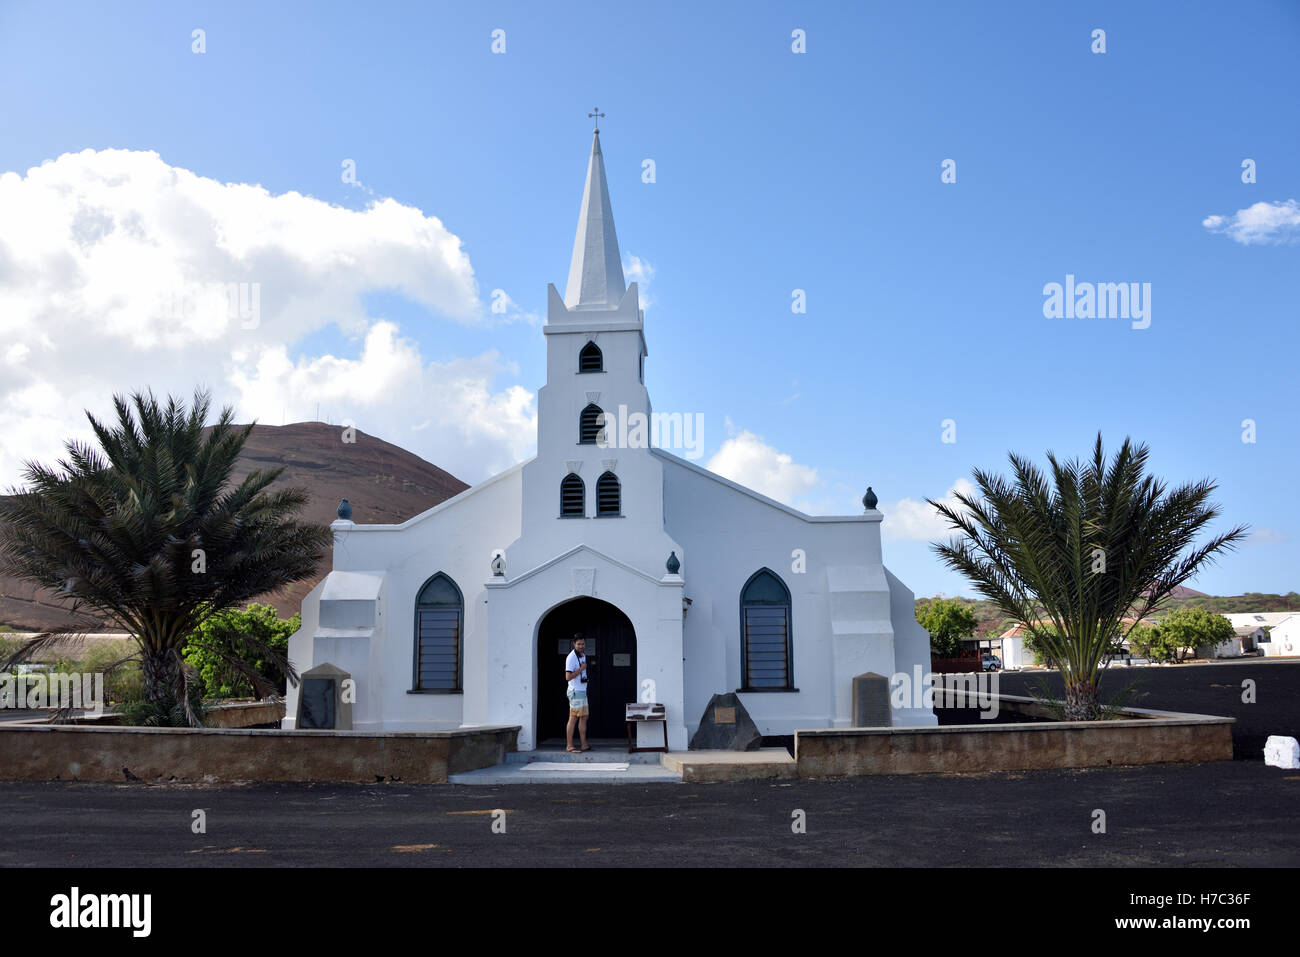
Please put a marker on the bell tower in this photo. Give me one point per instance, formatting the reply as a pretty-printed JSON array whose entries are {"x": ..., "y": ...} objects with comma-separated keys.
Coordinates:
[{"x": 594, "y": 480}]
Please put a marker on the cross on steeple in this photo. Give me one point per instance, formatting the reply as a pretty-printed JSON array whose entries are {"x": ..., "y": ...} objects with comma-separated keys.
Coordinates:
[{"x": 598, "y": 115}]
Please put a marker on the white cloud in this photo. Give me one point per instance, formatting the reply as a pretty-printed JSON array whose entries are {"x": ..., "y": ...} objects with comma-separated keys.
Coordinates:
[
  {"x": 502, "y": 306},
  {"x": 639, "y": 271},
  {"x": 747, "y": 459},
  {"x": 1260, "y": 223},
  {"x": 910, "y": 520},
  {"x": 1266, "y": 536},
  {"x": 114, "y": 267},
  {"x": 388, "y": 391}
]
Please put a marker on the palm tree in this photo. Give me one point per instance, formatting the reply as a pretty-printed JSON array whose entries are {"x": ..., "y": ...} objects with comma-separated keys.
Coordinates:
[
  {"x": 150, "y": 532},
  {"x": 1069, "y": 559}
]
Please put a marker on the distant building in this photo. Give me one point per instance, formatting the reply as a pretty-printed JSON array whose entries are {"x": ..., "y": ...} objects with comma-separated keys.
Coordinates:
[
  {"x": 1016, "y": 656},
  {"x": 1233, "y": 647},
  {"x": 1252, "y": 630},
  {"x": 1259, "y": 619},
  {"x": 1014, "y": 653},
  {"x": 1250, "y": 636},
  {"x": 1284, "y": 639}
]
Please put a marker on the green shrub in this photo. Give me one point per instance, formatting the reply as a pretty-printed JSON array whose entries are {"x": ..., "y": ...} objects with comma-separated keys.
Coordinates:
[
  {"x": 247, "y": 636},
  {"x": 948, "y": 621},
  {"x": 161, "y": 714}
]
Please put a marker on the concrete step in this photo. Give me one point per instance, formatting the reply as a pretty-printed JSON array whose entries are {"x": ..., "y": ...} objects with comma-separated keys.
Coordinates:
[
  {"x": 613, "y": 766},
  {"x": 711, "y": 767},
  {"x": 594, "y": 756},
  {"x": 573, "y": 772}
]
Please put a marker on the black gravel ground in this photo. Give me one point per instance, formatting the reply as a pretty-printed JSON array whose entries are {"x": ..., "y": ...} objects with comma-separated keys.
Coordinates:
[{"x": 1234, "y": 813}]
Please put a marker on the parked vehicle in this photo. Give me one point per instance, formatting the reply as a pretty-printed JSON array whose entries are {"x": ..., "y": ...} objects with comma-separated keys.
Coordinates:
[{"x": 992, "y": 662}]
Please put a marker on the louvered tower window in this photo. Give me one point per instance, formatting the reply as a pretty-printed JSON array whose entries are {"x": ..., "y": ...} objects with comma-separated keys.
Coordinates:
[
  {"x": 590, "y": 359},
  {"x": 765, "y": 633},
  {"x": 573, "y": 496},
  {"x": 439, "y": 614},
  {"x": 589, "y": 426},
  {"x": 608, "y": 495}
]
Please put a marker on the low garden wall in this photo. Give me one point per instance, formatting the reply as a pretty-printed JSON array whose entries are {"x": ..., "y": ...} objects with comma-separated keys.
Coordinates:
[
  {"x": 79, "y": 753},
  {"x": 226, "y": 714},
  {"x": 1141, "y": 736},
  {"x": 244, "y": 714}
]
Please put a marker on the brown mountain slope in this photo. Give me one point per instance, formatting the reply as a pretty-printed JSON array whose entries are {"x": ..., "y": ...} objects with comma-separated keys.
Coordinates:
[{"x": 383, "y": 482}]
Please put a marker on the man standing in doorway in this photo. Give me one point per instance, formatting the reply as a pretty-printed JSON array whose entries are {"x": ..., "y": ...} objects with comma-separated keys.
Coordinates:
[{"x": 575, "y": 672}]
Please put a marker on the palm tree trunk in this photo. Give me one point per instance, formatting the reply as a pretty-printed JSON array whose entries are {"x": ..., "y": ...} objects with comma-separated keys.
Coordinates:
[
  {"x": 1082, "y": 701},
  {"x": 158, "y": 667}
]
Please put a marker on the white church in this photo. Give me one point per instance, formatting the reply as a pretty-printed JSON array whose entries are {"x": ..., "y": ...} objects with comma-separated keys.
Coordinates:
[{"x": 685, "y": 584}]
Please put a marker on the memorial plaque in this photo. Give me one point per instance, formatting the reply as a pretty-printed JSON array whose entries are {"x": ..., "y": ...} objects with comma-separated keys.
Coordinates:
[
  {"x": 726, "y": 726},
  {"x": 323, "y": 704},
  {"x": 871, "y": 704},
  {"x": 622, "y": 661},
  {"x": 318, "y": 696}
]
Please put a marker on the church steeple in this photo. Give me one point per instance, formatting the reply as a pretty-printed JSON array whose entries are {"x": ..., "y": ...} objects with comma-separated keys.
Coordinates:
[{"x": 596, "y": 273}]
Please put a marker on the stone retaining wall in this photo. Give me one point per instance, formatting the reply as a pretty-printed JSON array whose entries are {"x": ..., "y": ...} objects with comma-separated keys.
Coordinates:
[
  {"x": 244, "y": 714},
  {"x": 77, "y": 753},
  {"x": 1142, "y": 737}
]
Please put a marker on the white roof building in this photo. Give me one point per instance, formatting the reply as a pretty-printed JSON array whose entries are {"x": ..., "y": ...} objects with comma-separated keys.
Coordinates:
[
  {"x": 1260, "y": 619},
  {"x": 685, "y": 584},
  {"x": 1284, "y": 639}
]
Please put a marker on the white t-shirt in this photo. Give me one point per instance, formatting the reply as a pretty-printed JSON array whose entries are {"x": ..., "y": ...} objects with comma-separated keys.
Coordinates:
[{"x": 571, "y": 665}]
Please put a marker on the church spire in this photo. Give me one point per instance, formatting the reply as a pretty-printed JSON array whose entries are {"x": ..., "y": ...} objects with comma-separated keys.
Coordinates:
[{"x": 596, "y": 273}]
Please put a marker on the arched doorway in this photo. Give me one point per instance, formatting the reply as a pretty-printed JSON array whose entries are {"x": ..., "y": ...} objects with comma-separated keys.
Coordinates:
[{"x": 611, "y": 663}]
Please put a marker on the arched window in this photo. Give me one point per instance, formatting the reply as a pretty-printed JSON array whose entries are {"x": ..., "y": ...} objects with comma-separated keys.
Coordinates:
[
  {"x": 439, "y": 636},
  {"x": 608, "y": 496},
  {"x": 765, "y": 634},
  {"x": 590, "y": 359},
  {"x": 573, "y": 496},
  {"x": 589, "y": 426}
]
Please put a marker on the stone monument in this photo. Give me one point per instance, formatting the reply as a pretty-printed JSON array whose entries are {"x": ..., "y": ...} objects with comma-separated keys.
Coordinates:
[
  {"x": 325, "y": 699},
  {"x": 871, "y": 708},
  {"x": 726, "y": 726}
]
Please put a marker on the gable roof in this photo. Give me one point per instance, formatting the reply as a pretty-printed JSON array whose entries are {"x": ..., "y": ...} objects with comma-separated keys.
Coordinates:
[{"x": 758, "y": 496}]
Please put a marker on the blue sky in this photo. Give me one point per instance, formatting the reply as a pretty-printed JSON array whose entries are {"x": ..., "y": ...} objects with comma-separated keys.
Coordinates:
[{"x": 775, "y": 171}]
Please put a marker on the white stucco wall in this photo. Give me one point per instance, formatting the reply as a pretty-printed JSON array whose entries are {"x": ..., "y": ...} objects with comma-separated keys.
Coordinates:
[
  {"x": 517, "y": 606},
  {"x": 456, "y": 538},
  {"x": 1284, "y": 639},
  {"x": 849, "y": 615},
  {"x": 844, "y": 604}
]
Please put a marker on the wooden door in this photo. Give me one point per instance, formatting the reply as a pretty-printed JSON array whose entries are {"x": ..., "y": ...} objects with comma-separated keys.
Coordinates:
[{"x": 611, "y": 667}]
